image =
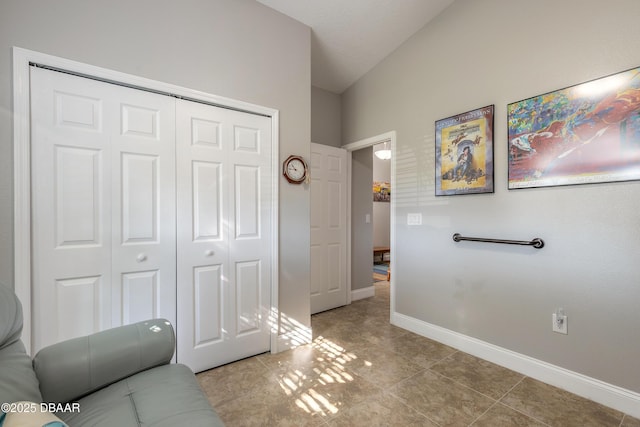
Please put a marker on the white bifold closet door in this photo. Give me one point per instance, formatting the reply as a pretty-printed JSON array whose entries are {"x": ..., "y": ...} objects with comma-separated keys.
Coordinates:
[
  {"x": 103, "y": 206},
  {"x": 146, "y": 206},
  {"x": 224, "y": 234}
]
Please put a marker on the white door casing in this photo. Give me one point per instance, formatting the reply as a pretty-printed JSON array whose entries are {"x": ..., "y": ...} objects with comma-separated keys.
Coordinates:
[
  {"x": 329, "y": 227},
  {"x": 224, "y": 234},
  {"x": 103, "y": 206}
]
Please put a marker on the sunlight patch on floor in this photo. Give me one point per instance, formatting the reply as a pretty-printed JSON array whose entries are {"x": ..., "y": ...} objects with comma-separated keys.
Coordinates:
[{"x": 330, "y": 369}]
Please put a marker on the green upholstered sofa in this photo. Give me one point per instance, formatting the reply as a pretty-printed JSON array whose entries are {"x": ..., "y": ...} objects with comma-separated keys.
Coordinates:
[{"x": 118, "y": 377}]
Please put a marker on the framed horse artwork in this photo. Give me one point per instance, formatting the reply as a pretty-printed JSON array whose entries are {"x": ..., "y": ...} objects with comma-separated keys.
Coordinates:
[{"x": 464, "y": 153}]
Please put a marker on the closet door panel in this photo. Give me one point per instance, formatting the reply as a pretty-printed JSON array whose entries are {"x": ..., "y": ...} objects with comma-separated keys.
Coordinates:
[
  {"x": 247, "y": 202},
  {"x": 250, "y": 190},
  {"x": 103, "y": 206},
  {"x": 139, "y": 198},
  {"x": 71, "y": 219},
  {"x": 207, "y": 201},
  {"x": 208, "y": 299},
  {"x": 224, "y": 196},
  {"x": 77, "y": 201},
  {"x": 78, "y": 303},
  {"x": 143, "y": 206},
  {"x": 140, "y": 296}
]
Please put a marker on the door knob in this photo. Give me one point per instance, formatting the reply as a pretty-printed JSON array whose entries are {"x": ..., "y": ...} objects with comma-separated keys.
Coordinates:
[
  {"x": 141, "y": 257},
  {"x": 208, "y": 252}
]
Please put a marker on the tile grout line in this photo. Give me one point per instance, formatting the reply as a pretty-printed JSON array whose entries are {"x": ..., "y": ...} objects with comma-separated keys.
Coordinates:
[
  {"x": 401, "y": 400},
  {"x": 481, "y": 415},
  {"x": 463, "y": 385},
  {"x": 497, "y": 401},
  {"x": 524, "y": 377}
]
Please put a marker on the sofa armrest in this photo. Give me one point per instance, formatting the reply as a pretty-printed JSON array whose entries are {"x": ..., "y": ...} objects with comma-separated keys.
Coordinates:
[{"x": 71, "y": 369}]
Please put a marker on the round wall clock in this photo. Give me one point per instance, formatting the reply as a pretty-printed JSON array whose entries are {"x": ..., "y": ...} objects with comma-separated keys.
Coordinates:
[{"x": 295, "y": 169}]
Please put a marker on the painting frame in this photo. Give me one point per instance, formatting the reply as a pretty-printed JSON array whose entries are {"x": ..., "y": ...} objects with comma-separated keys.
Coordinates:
[
  {"x": 586, "y": 133},
  {"x": 464, "y": 153}
]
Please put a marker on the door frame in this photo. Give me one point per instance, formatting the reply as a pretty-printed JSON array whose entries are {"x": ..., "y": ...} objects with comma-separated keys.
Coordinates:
[
  {"x": 354, "y": 146},
  {"x": 22, "y": 60}
]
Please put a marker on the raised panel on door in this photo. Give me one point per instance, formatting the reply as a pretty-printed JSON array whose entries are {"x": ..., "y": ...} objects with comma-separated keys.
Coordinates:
[
  {"x": 248, "y": 290},
  {"x": 318, "y": 269},
  {"x": 246, "y": 194},
  {"x": 223, "y": 194},
  {"x": 103, "y": 203},
  {"x": 77, "y": 181},
  {"x": 208, "y": 305},
  {"x": 140, "y": 296},
  {"x": 328, "y": 228},
  {"x": 206, "y": 202},
  {"x": 139, "y": 198},
  {"x": 77, "y": 302}
]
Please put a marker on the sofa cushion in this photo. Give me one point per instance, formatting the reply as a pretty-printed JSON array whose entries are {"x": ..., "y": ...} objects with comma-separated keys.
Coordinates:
[
  {"x": 74, "y": 368},
  {"x": 17, "y": 380},
  {"x": 10, "y": 317},
  {"x": 167, "y": 395}
]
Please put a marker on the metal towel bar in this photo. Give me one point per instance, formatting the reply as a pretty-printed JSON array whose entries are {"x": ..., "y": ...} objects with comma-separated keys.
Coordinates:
[{"x": 537, "y": 243}]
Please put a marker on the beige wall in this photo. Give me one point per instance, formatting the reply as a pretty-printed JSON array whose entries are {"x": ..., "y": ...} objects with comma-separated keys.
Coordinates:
[
  {"x": 325, "y": 117},
  {"x": 234, "y": 48},
  {"x": 496, "y": 52},
  {"x": 361, "y": 230}
]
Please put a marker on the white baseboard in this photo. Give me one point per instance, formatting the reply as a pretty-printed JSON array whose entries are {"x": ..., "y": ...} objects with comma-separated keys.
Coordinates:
[
  {"x": 601, "y": 392},
  {"x": 361, "y": 293}
]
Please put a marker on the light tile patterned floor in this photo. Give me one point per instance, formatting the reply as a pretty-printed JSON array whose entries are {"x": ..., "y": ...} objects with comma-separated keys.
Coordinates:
[{"x": 362, "y": 371}]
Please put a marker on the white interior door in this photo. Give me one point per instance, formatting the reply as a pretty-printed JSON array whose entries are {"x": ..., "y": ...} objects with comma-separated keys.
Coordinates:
[
  {"x": 224, "y": 213},
  {"x": 328, "y": 227},
  {"x": 103, "y": 206}
]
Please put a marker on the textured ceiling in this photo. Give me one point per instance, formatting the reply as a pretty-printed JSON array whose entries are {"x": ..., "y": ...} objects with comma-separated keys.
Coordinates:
[{"x": 349, "y": 37}]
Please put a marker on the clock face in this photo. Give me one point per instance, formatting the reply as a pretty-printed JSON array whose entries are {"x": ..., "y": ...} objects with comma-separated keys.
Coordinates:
[{"x": 295, "y": 168}]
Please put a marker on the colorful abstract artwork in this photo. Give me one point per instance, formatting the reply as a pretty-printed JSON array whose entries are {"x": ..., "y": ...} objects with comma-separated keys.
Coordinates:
[
  {"x": 464, "y": 153},
  {"x": 381, "y": 191},
  {"x": 588, "y": 133}
]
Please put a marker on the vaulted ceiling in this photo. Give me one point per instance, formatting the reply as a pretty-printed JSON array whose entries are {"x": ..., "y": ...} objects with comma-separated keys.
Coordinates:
[{"x": 349, "y": 37}]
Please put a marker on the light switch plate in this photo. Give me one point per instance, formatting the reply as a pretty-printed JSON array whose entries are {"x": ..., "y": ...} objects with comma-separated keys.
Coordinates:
[{"x": 414, "y": 219}]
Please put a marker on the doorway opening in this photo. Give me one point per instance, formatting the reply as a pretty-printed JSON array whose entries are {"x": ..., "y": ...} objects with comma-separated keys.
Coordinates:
[
  {"x": 362, "y": 237},
  {"x": 381, "y": 212}
]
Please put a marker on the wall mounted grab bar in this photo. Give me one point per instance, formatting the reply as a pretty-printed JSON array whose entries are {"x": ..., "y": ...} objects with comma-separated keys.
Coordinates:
[{"x": 537, "y": 243}]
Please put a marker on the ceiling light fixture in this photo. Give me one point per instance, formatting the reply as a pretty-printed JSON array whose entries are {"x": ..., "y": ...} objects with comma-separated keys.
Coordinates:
[{"x": 384, "y": 153}]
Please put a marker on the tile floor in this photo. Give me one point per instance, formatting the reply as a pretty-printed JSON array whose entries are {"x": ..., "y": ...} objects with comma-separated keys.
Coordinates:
[{"x": 362, "y": 371}]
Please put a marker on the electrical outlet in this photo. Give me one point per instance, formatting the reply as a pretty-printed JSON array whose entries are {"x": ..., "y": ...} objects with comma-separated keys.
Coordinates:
[{"x": 559, "y": 323}]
